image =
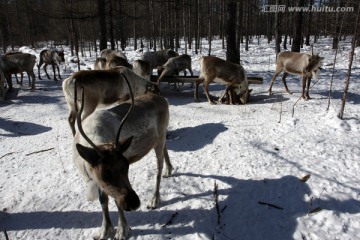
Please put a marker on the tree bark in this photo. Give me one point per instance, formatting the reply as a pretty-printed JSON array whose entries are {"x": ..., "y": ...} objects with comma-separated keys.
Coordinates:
[
  {"x": 232, "y": 53},
  {"x": 102, "y": 24}
]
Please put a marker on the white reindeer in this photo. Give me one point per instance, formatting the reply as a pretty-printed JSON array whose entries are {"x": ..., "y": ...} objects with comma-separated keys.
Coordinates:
[
  {"x": 111, "y": 139},
  {"x": 104, "y": 87},
  {"x": 306, "y": 65}
]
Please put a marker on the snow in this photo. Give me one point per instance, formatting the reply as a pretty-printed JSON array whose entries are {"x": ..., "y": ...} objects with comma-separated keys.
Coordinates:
[{"x": 255, "y": 154}]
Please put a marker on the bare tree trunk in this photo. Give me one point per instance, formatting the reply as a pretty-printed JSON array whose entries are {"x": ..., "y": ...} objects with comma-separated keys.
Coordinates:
[
  {"x": 111, "y": 25},
  {"x": 209, "y": 26},
  {"x": 102, "y": 24},
  {"x": 153, "y": 36},
  {"x": 277, "y": 30},
  {"x": 353, "y": 44},
  {"x": 297, "y": 28},
  {"x": 134, "y": 27},
  {"x": 232, "y": 53}
]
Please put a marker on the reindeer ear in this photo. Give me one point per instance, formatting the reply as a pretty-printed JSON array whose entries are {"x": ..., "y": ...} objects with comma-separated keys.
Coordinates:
[
  {"x": 250, "y": 90},
  {"x": 124, "y": 145},
  {"x": 89, "y": 154}
]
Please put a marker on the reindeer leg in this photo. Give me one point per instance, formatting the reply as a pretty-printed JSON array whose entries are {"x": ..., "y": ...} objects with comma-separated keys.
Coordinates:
[
  {"x": 169, "y": 167},
  {"x": 303, "y": 87},
  {"x": 277, "y": 72},
  {"x": 284, "y": 81},
  {"x": 53, "y": 67},
  {"x": 308, "y": 87},
  {"x": 45, "y": 65},
  {"x": 123, "y": 230},
  {"x": 58, "y": 71},
  {"x": 206, "y": 91},
  {"x": 196, "y": 90},
  {"x": 106, "y": 231},
  {"x": 159, "y": 151}
]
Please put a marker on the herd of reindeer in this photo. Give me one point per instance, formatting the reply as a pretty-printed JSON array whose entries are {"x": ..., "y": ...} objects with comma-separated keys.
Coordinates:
[{"x": 117, "y": 115}]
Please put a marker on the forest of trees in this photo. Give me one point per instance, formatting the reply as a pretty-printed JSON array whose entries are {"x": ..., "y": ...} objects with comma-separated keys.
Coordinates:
[{"x": 158, "y": 24}]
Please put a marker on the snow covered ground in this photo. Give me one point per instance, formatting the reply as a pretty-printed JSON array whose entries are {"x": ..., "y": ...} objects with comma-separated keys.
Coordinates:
[{"x": 252, "y": 156}]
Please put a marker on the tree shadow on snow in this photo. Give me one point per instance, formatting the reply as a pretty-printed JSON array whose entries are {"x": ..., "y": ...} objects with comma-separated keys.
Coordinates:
[
  {"x": 193, "y": 138},
  {"x": 16, "y": 128}
]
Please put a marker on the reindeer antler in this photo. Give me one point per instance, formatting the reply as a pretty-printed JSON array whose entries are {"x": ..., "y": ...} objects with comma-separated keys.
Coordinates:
[
  {"x": 81, "y": 130},
  {"x": 127, "y": 114}
]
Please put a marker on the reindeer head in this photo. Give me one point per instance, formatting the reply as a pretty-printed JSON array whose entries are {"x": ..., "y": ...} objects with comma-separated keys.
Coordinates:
[
  {"x": 243, "y": 92},
  {"x": 109, "y": 167},
  {"x": 314, "y": 66}
]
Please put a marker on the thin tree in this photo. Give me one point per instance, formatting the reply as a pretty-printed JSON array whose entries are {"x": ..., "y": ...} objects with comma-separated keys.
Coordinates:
[
  {"x": 297, "y": 28},
  {"x": 102, "y": 24},
  {"x": 232, "y": 52},
  {"x": 351, "y": 58}
]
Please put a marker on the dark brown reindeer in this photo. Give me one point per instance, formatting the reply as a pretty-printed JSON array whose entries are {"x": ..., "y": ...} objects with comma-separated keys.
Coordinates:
[
  {"x": 158, "y": 58},
  {"x": 104, "y": 87},
  {"x": 214, "y": 69},
  {"x": 108, "y": 141},
  {"x": 52, "y": 57},
  {"x": 306, "y": 65},
  {"x": 18, "y": 63}
]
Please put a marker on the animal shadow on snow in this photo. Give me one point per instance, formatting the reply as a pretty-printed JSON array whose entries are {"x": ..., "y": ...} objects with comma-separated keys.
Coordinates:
[
  {"x": 350, "y": 96},
  {"x": 241, "y": 213},
  {"x": 17, "y": 128},
  {"x": 193, "y": 138}
]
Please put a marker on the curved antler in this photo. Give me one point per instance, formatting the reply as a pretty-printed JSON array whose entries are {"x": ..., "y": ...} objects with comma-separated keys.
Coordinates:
[
  {"x": 81, "y": 130},
  {"x": 127, "y": 114}
]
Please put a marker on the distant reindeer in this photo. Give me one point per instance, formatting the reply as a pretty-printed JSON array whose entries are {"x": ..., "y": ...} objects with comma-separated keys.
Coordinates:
[
  {"x": 175, "y": 65},
  {"x": 214, "y": 69},
  {"x": 142, "y": 68},
  {"x": 108, "y": 54},
  {"x": 158, "y": 58},
  {"x": 116, "y": 61},
  {"x": 104, "y": 87},
  {"x": 306, "y": 65},
  {"x": 52, "y": 57},
  {"x": 108, "y": 141},
  {"x": 100, "y": 63},
  {"x": 21, "y": 74},
  {"x": 18, "y": 63}
]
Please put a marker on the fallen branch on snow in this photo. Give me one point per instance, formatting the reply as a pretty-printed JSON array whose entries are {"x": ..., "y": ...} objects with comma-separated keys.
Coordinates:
[
  {"x": 171, "y": 220},
  {"x": 271, "y": 205},
  {"x": 44, "y": 150}
]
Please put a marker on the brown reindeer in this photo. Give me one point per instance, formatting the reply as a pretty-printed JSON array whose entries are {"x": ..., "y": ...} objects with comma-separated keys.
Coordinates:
[
  {"x": 306, "y": 65},
  {"x": 18, "y": 63},
  {"x": 108, "y": 141},
  {"x": 142, "y": 68},
  {"x": 52, "y": 57},
  {"x": 108, "y": 54},
  {"x": 214, "y": 69},
  {"x": 104, "y": 87}
]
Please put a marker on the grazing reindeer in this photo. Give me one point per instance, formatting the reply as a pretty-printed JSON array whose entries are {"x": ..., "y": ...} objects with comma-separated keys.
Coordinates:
[
  {"x": 159, "y": 58},
  {"x": 18, "y": 63},
  {"x": 213, "y": 69},
  {"x": 100, "y": 63},
  {"x": 108, "y": 141},
  {"x": 104, "y": 87},
  {"x": 174, "y": 65},
  {"x": 53, "y": 57},
  {"x": 108, "y": 54},
  {"x": 302, "y": 64},
  {"x": 142, "y": 68}
]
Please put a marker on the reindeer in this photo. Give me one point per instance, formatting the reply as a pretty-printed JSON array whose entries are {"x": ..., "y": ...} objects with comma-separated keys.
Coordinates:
[
  {"x": 53, "y": 57},
  {"x": 108, "y": 54},
  {"x": 116, "y": 61},
  {"x": 104, "y": 87},
  {"x": 21, "y": 74},
  {"x": 18, "y": 63},
  {"x": 100, "y": 63},
  {"x": 142, "y": 68},
  {"x": 213, "y": 69},
  {"x": 174, "y": 65},
  {"x": 108, "y": 141},
  {"x": 303, "y": 64},
  {"x": 158, "y": 58}
]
